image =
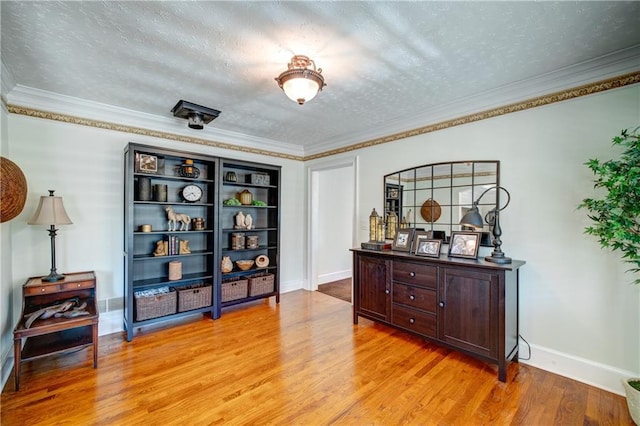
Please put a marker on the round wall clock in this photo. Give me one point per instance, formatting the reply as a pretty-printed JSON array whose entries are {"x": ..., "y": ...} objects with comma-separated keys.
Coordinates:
[{"x": 192, "y": 193}]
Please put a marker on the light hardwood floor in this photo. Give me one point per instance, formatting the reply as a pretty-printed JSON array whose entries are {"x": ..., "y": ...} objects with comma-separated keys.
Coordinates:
[{"x": 300, "y": 363}]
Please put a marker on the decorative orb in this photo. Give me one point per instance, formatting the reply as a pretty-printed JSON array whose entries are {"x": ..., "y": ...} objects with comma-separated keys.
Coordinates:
[
  {"x": 431, "y": 211},
  {"x": 14, "y": 190}
]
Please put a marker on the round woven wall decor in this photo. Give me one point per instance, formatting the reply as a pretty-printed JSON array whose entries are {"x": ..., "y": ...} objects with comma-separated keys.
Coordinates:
[
  {"x": 431, "y": 210},
  {"x": 14, "y": 190}
]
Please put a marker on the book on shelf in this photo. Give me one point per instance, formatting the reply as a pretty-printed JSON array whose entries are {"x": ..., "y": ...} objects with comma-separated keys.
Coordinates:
[{"x": 172, "y": 243}]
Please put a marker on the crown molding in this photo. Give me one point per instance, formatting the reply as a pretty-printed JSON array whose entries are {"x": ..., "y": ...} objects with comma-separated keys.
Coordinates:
[
  {"x": 40, "y": 103},
  {"x": 7, "y": 81},
  {"x": 595, "y": 71},
  {"x": 588, "y": 89}
]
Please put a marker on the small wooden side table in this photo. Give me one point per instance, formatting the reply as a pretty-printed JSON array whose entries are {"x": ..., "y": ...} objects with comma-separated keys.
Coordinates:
[{"x": 56, "y": 335}]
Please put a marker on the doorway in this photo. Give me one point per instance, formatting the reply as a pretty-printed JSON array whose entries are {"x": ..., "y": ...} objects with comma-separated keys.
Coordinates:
[{"x": 333, "y": 211}]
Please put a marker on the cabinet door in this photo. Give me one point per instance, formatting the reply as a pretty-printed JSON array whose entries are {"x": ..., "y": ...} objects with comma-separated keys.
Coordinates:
[
  {"x": 469, "y": 310},
  {"x": 373, "y": 287}
]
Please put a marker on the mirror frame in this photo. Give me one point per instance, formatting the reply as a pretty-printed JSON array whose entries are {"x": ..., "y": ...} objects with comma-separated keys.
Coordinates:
[{"x": 434, "y": 197}]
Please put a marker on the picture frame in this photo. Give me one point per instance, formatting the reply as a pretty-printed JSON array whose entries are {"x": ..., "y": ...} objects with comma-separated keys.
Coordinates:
[
  {"x": 146, "y": 163},
  {"x": 464, "y": 244},
  {"x": 260, "y": 179},
  {"x": 418, "y": 235},
  {"x": 392, "y": 192},
  {"x": 425, "y": 246},
  {"x": 403, "y": 239}
]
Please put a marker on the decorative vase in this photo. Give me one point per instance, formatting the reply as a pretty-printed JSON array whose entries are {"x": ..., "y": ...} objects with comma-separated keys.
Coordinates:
[
  {"x": 245, "y": 197},
  {"x": 175, "y": 270},
  {"x": 226, "y": 265},
  {"x": 237, "y": 241},
  {"x": 144, "y": 189},
  {"x": 252, "y": 241},
  {"x": 633, "y": 399},
  {"x": 160, "y": 192}
]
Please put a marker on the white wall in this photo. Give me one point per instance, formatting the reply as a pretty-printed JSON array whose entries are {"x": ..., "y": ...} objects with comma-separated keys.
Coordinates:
[
  {"x": 85, "y": 166},
  {"x": 577, "y": 307}
]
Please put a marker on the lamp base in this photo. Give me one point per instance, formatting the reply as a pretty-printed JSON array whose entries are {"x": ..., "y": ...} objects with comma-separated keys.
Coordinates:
[
  {"x": 52, "y": 277},
  {"x": 498, "y": 259}
]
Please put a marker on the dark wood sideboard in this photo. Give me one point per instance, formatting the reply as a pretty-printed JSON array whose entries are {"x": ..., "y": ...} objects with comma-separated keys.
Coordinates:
[{"x": 464, "y": 304}]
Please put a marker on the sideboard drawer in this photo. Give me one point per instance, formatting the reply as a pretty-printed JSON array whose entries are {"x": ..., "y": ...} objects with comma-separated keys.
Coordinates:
[
  {"x": 77, "y": 285},
  {"x": 416, "y": 321},
  {"x": 416, "y": 297},
  {"x": 41, "y": 289},
  {"x": 415, "y": 274}
]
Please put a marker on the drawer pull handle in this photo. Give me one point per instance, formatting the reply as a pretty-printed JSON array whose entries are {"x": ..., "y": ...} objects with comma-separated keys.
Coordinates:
[
  {"x": 412, "y": 297},
  {"x": 441, "y": 304},
  {"x": 387, "y": 291},
  {"x": 79, "y": 285},
  {"x": 42, "y": 289},
  {"x": 412, "y": 274},
  {"x": 412, "y": 320}
]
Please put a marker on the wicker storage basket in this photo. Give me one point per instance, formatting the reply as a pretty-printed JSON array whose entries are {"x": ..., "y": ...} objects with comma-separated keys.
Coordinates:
[
  {"x": 155, "y": 306},
  {"x": 261, "y": 284},
  {"x": 193, "y": 296},
  {"x": 234, "y": 289}
]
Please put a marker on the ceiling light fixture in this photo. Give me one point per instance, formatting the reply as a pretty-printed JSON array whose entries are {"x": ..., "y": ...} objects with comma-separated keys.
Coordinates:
[
  {"x": 197, "y": 115},
  {"x": 300, "y": 83}
]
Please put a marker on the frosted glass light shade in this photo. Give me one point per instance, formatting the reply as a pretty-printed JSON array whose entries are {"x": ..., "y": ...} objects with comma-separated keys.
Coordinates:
[
  {"x": 299, "y": 82},
  {"x": 300, "y": 89}
]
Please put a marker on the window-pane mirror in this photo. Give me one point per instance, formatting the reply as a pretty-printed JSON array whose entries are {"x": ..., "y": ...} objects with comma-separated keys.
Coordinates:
[{"x": 434, "y": 197}]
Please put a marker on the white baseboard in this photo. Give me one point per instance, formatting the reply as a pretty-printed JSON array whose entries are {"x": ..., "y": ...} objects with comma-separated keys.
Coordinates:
[
  {"x": 111, "y": 322},
  {"x": 287, "y": 286},
  {"x": 334, "y": 276},
  {"x": 583, "y": 370}
]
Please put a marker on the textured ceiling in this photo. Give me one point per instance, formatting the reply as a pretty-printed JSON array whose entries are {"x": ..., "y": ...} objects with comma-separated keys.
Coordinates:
[{"x": 386, "y": 64}]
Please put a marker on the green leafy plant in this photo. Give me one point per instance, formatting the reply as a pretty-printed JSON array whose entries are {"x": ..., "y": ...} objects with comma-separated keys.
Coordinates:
[
  {"x": 616, "y": 217},
  {"x": 635, "y": 384}
]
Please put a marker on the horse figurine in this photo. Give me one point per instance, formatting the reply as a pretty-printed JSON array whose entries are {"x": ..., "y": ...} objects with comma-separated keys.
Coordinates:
[{"x": 177, "y": 217}]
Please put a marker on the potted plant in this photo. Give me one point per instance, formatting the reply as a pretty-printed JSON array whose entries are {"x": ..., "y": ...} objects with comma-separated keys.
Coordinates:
[{"x": 616, "y": 220}]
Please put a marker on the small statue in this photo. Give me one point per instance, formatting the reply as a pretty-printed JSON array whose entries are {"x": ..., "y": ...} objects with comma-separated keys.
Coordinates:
[
  {"x": 240, "y": 221},
  {"x": 161, "y": 248},
  {"x": 248, "y": 221},
  {"x": 184, "y": 247},
  {"x": 174, "y": 218},
  {"x": 226, "y": 264}
]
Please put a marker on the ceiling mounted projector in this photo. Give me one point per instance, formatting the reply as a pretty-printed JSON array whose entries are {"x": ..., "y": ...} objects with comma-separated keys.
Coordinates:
[{"x": 197, "y": 115}]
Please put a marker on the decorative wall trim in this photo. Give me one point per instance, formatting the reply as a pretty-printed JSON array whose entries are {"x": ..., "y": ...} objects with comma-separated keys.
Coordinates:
[
  {"x": 564, "y": 95},
  {"x": 46, "y": 115}
]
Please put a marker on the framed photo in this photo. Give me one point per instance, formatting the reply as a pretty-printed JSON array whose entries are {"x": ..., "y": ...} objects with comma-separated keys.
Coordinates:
[
  {"x": 260, "y": 179},
  {"x": 393, "y": 191},
  {"x": 146, "y": 163},
  {"x": 402, "y": 242},
  {"x": 426, "y": 246},
  {"x": 418, "y": 235},
  {"x": 464, "y": 244}
]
